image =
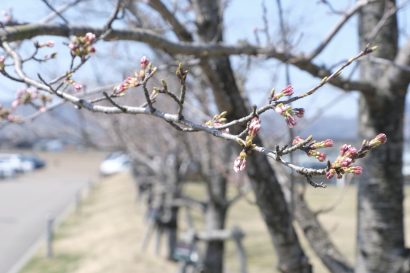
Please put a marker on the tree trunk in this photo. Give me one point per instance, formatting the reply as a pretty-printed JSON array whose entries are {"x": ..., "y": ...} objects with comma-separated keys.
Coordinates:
[
  {"x": 215, "y": 220},
  {"x": 269, "y": 195},
  {"x": 380, "y": 231}
]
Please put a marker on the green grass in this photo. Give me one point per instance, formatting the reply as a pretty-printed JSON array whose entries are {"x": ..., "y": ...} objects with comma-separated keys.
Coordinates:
[{"x": 61, "y": 263}]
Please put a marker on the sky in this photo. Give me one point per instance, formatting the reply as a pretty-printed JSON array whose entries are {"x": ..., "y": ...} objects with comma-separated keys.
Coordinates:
[{"x": 309, "y": 22}]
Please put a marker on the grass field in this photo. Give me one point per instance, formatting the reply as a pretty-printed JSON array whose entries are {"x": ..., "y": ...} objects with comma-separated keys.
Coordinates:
[{"x": 105, "y": 235}]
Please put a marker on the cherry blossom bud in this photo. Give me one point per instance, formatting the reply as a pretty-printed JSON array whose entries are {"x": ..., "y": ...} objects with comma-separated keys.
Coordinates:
[
  {"x": 346, "y": 161},
  {"x": 378, "y": 140},
  {"x": 89, "y": 37},
  {"x": 318, "y": 155},
  {"x": 330, "y": 173},
  {"x": 355, "y": 170},
  {"x": 240, "y": 162},
  {"x": 291, "y": 121},
  {"x": 344, "y": 149},
  {"x": 322, "y": 144},
  {"x": 78, "y": 86},
  {"x": 254, "y": 126},
  {"x": 50, "y": 43},
  {"x": 299, "y": 112},
  {"x": 297, "y": 140},
  {"x": 144, "y": 62},
  {"x": 287, "y": 91},
  {"x": 282, "y": 108}
]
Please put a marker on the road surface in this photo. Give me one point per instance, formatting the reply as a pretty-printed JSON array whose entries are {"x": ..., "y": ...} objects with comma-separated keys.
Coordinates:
[{"x": 27, "y": 202}]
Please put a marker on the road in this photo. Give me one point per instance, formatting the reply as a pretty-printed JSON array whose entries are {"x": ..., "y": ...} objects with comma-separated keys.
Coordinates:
[{"x": 27, "y": 202}]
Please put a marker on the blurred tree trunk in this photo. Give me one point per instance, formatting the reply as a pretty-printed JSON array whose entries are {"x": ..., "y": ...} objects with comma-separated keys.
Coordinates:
[
  {"x": 269, "y": 195},
  {"x": 215, "y": 220},
  {"x": 380, "y": 232}
]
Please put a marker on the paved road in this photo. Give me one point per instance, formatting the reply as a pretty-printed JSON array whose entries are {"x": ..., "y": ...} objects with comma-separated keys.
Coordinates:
[{"x": 26, "y": 202}]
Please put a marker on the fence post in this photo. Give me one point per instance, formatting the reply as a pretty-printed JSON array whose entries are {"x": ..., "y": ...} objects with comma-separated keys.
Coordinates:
[{"x": 50, "y": 236}]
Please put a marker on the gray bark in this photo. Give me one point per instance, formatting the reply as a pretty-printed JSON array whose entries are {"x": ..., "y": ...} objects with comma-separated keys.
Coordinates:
[{"x": 380, "y": 231}]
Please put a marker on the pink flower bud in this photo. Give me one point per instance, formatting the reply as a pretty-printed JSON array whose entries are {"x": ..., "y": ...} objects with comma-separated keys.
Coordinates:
[
  {"x": 144, "y": 62},
  {"x": 330, "y": 173},
  {"x": 287, "y": 91},
  {"x": 346, "y": 162},
  {"x": 254, "y": 126},
  {"x": 240, "y": 162},
  {"x": 355, "y": 170},
  {"x": 291, "y": 121},
  {"x": 378, "y": 140},
  {"x": 344, "y": 149},
  {"x": 297, "y": 140},
  {"x": 328, "y": 143},
  {"x": 50, "y": 43},
  {"x": 90, "y": 37},
  {"x": 282, "y": 108},
  {"x": 78, "y": 86}
]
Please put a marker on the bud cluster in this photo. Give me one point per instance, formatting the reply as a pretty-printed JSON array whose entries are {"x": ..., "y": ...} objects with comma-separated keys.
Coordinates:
[
  {"x": 218, "y": 120},
  {"x": 253, "y": 129},
  {"x": 289, "y": 114},
  {"x": 311, "y": 149},
  {"x": 82, "y": 46},
  {"x": 348, "y": 154},
  {"x": 28, "y": 96},
  {"x": 77, "y": 86},
  {"x": 136, "y": 80}
]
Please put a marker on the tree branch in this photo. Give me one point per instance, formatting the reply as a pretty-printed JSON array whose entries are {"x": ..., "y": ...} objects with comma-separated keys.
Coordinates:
[{"x": 199, "y": 50}]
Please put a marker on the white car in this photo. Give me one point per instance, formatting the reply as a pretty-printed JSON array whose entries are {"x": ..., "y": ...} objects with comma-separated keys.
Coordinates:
[
  {"x": 16, "y": 162},
  {"x": 7, "y": 170},
  {"x": 115, "y": 163}
]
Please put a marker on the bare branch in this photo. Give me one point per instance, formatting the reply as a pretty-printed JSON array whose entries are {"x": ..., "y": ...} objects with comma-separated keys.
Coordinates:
[
  {"x": 189, "y": 49},
  {"x": 345, "y": 18}
]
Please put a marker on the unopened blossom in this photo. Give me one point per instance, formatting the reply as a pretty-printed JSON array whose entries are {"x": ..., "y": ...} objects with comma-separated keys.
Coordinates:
[
  {"x": 50, "y": 43},
  {"x": 89, "y": 37},
  {"x": 330, "y": 173},
  {"x": 378, "y": 140},
  {"x": 291, "y": 121},
  {"x": 144, "y": 62},
  {"x": 318, "y": 155},
  {"x": 254, "y": 126},
  {"x": 282, "y": 108},
  {"x": 354, "y": 169},
  {"x": 289, "y": 114},
  {"x": 240, "y": 162},
  {"x": 323, "y": 144},
  {"x": 297, "y": 140},
  {"x": 78, "y": 86},
  {"x": 287, "y": 91}
]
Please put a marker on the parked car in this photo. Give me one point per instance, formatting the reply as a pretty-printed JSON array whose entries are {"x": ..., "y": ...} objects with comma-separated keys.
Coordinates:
[
  {"x": 12, "y": 164},
  {"x": 115, "y": 163},
  {"x": 33, "y": 161},
  {"x": 7, "y": 170}
]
